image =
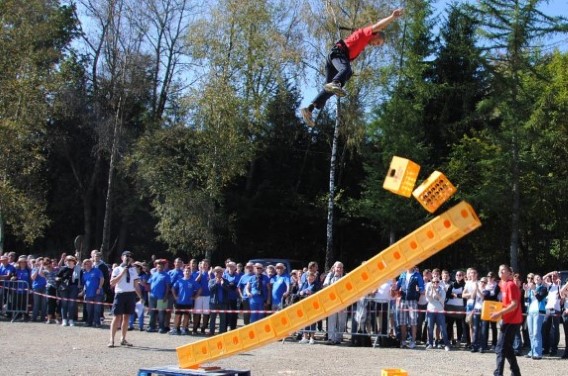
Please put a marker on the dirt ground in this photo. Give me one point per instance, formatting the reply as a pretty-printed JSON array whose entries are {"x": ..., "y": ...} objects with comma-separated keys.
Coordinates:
[{"x": 40, "y": 349}]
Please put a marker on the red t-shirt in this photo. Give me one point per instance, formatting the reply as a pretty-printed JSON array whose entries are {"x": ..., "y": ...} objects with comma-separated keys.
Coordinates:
[
  {"x": 511, "y": 292},
  {"x": 357, "y": 41}
]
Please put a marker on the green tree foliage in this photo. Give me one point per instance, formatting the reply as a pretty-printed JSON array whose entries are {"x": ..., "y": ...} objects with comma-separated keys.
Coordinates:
[
  {"x": 511, "y": 27},
  {"x": 33, "y": 38},
  {"x": 398, "y": 127}
]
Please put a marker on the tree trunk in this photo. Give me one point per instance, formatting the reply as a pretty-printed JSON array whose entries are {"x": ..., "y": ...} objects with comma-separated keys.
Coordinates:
[
  {"x": 1, "y": 233},
  {"x": 331, "y": 199},
  {"x": 516, "y": 204},
  {"x": 105, "y": 245}
]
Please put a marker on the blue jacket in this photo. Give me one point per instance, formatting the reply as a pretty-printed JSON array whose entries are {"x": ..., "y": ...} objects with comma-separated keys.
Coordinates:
[
  {"x": 218, "y": 293},
  {"x": 412, "y": 289},
  {"x": 539, "y": 293}
]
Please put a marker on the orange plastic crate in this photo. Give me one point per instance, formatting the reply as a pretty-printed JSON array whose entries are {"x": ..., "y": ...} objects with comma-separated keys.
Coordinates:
[
  {"x": 434, "y": 191},
  {"x": 401, "y": 176}
]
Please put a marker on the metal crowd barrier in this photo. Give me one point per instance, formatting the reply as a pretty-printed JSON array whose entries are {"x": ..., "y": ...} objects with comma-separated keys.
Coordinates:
[
  {"x": 15, "y": 298},
  {"x": 371, "y": 318}
]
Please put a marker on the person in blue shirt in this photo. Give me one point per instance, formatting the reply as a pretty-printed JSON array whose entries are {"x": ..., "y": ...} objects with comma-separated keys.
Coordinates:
[
  {"x": 536, "y": 293},
  {"x": 308, "y": 288},
  {"x": 184, "y": 291},
  {"x": 258, "y": 289},
  {"x": 202, "y": 301},
  {"x": 280, "y": 286},
  {"x": 93, "y": 292},
  {"x": 39, "y": 283},
  {"x": 143, "y": 276},
  {"x": 7, "y": 270},
  {"x": 175, "y": 274},
  {"x": 410, "y": 285},
  {"x": 218, "y": 299},
  {"x": 157, "y": 299},
  {"x": 21, "y": 274},
  {"x": 233, "y": 278},
  {"x": 242, "y": 291}
]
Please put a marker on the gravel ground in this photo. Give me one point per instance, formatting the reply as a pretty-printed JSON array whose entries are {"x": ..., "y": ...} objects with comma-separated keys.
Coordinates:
[{"x": 40, "y": 349}]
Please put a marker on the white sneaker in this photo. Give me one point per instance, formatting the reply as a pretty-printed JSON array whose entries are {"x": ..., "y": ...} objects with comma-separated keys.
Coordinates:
[
  {"x": 71, "y": 323},
  {"x": 412, "y": 345},
  {"x": 312, "y": 341},
  {"x": 63, "y": 322},
  {"x": 429, "y": 347},
  {"x": 303, "y": 340},
  {"x": 447, "y": 348},
  {"x": 335, "y": 88}
]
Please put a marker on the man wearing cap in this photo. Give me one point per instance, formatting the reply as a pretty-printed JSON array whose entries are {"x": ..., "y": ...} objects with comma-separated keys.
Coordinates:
[
  {"x": 6, "y": 269},
  {"x": 202, "y": 301},
  {"x": 22, "y": 273},
  {"x": 233, "y": 279},
  {"x": 258, "y": 289},
  {"x": 175, "y": 274},
  {"x": 280, "y": 286},
  {"x": 160, "y": 284},
  {"x": 124, "y": 279},
  {"x": 68, "y": 281},
  {"x": 92, "y": 279},
  {"x": 218, "y": 298},
  {"x": 242, "y": 291}
]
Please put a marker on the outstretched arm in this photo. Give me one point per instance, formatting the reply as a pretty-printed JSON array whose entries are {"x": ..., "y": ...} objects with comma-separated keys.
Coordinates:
[{"x": 382, "y": 24}]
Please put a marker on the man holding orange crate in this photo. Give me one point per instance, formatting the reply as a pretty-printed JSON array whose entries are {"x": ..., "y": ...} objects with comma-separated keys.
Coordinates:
[{"x": 512, "y": 318}]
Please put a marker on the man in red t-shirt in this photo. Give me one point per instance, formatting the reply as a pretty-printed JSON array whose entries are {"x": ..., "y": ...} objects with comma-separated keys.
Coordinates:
[
  {"x": 512, "y": 317},
  {"x": 338, "y": 67}
]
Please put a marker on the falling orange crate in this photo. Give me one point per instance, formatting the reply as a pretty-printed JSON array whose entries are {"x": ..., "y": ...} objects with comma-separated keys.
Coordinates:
[
  {"x": 434, "y": 191},
  {"x": 401, "y": 176}
]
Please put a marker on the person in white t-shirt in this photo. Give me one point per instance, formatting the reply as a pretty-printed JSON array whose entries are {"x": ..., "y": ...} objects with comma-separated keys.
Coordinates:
[
  {"x": 436, "y": 295},
  {"x": 551, "y": 325},
  {"x": 124, "y": 280},
  {"x": 473, "y": 293}
]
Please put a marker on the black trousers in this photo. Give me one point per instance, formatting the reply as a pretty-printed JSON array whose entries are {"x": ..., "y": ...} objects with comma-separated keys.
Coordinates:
[{"x": 504, "y": 350}]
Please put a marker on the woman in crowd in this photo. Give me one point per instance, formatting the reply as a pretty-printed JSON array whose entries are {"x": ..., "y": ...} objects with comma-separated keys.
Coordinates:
[
  {"x": 39, "y": 287},
  {"x": 535, "y": 294},
  {"x": 456, "y": 304},
  {"x": 68, "y": 279},
  {"x": 436, "y": 296},
  {"x": 51, "y": 288}
]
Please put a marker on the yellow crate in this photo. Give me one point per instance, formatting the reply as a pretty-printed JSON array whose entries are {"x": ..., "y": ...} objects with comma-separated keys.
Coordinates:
[
  {"x": 256, "y": 333},
  {"x": 393, "y": 372},
  {"x": 488, "y": 308},
  {"x": 217, "y": 346},
  {"x": 313, "y": 307},
  {"x": 346, "y": 288},
  {"x": 410, "y": 247},
  {"x": 392, "y": 257},
  {"x": 281, "y": 322},
  {"x": 297, "y": 312},
  {"x": 447, "y": 232},
  {"x": 401, "y": 176},
  {"x": 185, "y": 356},
  {"x": 201, "y": 352},
  {"x": 464, "y": 217},
  {"x": 428, "y": 238},
  {"x": 233, "y": 341},
  {"x": 329, "y": 297},
  {"x": 367, "y": 275},
  {"x": 434, "y": 191}
]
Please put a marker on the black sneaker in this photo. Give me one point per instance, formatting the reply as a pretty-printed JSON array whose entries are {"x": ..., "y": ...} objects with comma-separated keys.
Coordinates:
[
  {"x": 307, "y": 115},
  {"x": 335, "y": 88}
]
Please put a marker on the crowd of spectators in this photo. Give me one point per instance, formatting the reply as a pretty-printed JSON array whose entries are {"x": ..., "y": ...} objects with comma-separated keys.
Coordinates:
[{"x": 433, "y": 308}]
